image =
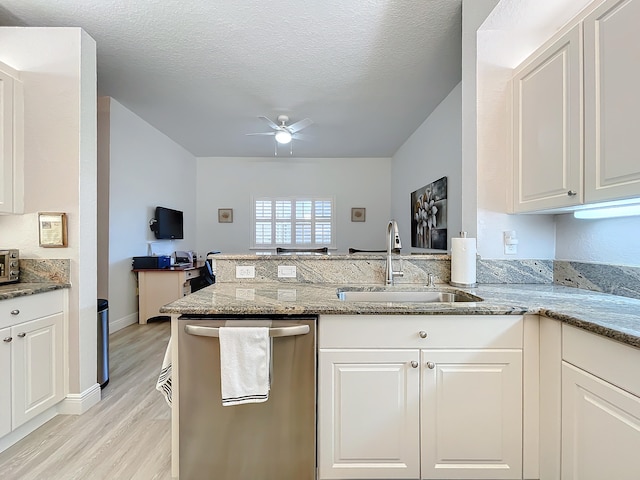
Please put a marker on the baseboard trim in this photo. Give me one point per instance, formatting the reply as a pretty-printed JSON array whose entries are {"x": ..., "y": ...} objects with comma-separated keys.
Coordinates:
[
  {"x": 123, "y": 322},
  {"x": 78, "y": 403}
]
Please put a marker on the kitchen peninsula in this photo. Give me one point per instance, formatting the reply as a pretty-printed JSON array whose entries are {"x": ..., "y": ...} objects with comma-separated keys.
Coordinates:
[{"x": 541, "y": 343}]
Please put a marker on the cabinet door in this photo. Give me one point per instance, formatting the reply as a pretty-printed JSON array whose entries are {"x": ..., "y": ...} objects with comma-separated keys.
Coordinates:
[
  {"x": 612, "y": 101},
  {"x": 368, "y": 414},
  {"x": 5, "y": 381},
  {"x": 37, "y": 361},
  {"x": 547, "y": 128},
  {"x": 600, "y": 428},
  {"x": 471, "y": 414}
]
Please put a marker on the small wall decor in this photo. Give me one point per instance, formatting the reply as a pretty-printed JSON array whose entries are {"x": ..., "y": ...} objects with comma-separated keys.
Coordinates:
[
  {"x": 358, "y": 214},
  {"x": 53, "y": 229},
  {"x": 429, "y": 216},
  {"x": 225, "y": 215}
]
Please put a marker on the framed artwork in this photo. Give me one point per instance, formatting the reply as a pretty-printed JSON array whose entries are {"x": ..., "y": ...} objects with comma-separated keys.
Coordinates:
[
  {"x": 358, "y": 214},
  {"x": 52, "y": 229},
  {"x": 429, "y": 216},
  {"x": 225, "y": 215}
]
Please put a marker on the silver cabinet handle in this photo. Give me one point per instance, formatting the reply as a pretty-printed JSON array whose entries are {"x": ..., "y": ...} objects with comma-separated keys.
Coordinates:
[
  {"x": 291, "y": 331},
  {"x": 15, "y": 312},
  {"x": 7, "y": 339},
  {"x": 431, "y": 365},
  {"x": 414, "y": 364},
  {"x": 571, "y": 193},
  {"x": 422, "y": 334},
  {"x": 22, "y": 335}
]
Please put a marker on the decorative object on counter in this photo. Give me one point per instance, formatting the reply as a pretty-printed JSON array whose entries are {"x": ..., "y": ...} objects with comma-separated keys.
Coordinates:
[
  {"x": 463, "y": 261},
  {"x": 53, "y": 229},
  {"x": 429, "y": 216},
  {"x": 225, "y": 215},
  {"x": 358, "y": 214}
]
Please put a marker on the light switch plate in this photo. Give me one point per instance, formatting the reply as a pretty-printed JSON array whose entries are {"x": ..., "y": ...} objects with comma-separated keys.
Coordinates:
[
  {"x": 245, "y": 271},
  {"x": 287, "y": 271}
]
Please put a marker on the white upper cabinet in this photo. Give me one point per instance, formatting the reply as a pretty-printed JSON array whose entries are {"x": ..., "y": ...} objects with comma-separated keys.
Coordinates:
[
  {"x": 575, "y": 135},
  {"x": 547, "y": 127},
  {"x": 612, "y": 101},
  {"x": 11, "y": 141}
]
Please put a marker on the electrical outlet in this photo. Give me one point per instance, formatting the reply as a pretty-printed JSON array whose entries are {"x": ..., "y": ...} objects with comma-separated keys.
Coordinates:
[
  {"x": 287, "y": 271},
  {"x": 245, "y": 271},
  {"x": 510, "y": 242},
  {"x": 245, "y": 293},
  {"x": 286, "y": 295}
]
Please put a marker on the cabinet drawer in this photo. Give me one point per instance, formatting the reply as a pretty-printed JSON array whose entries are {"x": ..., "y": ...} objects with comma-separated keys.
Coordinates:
[
  {"x": 30, "y": 307},
  {"x": 189, "y": 274},
  {"x": 442, "y": 331},
  {"x": 613, "y": 362}
]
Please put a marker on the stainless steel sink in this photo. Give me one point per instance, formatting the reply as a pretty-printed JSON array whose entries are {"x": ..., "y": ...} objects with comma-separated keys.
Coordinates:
[{"x": 420, "y": 296}]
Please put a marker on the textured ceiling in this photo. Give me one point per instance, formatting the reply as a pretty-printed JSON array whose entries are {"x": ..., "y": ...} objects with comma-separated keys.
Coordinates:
[{"x": 367, "y": 72}]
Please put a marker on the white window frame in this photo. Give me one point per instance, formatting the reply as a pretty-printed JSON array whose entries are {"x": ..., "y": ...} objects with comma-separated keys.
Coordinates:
[{"x": 293, "y": 199}]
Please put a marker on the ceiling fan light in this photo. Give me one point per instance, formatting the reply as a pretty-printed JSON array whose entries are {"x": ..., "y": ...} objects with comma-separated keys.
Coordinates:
[{"x": 283, "y": 137}]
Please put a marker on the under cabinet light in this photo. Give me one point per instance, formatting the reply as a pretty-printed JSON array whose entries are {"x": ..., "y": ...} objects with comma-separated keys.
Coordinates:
[{"x": 608, "y": 212}]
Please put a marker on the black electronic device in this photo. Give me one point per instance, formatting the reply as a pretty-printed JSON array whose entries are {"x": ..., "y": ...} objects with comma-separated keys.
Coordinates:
[
  {"x": 154, "y": 262},
  {"x": 167, "y": 224}
]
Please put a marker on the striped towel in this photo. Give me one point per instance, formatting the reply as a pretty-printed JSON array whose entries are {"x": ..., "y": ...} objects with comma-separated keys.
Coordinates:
[{"x": 163, "y": 385}]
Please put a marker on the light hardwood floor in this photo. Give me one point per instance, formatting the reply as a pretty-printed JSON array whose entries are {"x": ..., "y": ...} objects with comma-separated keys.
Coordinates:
[{"x": 126, "y": 436}]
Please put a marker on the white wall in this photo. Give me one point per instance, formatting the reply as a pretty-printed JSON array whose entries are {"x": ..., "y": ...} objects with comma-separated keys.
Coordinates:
[
  {"x": 474, "y": 13},
  {"x": 59, "y": 74},
  {"x": 231, "y": 182},
  {"x": 613, "y": 241},
  {"x": 433, "y": 151},
  {"x": 146, "y": 169}
]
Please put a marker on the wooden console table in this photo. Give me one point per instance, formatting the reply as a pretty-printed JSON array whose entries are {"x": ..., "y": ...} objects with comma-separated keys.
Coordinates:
[{"x": 157, "y": 287}]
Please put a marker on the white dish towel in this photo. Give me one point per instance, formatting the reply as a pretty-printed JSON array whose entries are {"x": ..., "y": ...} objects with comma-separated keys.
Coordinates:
[
  {"x": 163, "y": 385},
  {"x": 245, "y": 359}
]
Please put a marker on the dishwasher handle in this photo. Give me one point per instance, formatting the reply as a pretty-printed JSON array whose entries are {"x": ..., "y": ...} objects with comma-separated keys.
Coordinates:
[{"x": 289, "y": 331}]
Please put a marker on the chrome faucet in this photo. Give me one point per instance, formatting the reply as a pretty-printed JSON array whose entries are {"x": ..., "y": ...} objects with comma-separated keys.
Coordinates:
[{"x": 393, "y": 242}]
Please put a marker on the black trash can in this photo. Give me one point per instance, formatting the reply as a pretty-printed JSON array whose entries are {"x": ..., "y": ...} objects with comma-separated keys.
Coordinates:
[{"x": 103, "y": 342}]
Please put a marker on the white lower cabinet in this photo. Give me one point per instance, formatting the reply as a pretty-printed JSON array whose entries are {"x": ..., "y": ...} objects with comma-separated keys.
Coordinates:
[
  {"x": 600, "y": 429},
  {"x": 36, "y": 361},
  {"x": 420, "y": 397},
  {"x": 600, "y": 408},
  {"x": 5, "y": 381},
  {"x": 370, "y": 419},
  {"x": 32, "y": 357},
  {"x": 471, "y": 414}
]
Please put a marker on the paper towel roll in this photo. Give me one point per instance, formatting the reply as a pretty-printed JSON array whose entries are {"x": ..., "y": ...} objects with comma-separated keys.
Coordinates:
[{"x": 463, "y": 262}]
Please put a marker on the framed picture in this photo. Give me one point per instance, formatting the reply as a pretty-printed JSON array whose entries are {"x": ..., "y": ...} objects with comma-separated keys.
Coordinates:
[
  {"x": 429, "y": 216},
  {"x": 358, "y": 214},
  {"x": 225, "y": 215},
  {"x": 52, "y": 229}
]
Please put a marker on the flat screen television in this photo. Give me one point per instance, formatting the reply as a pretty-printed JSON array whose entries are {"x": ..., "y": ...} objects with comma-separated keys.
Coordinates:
[{"x": 168, "y": 224}]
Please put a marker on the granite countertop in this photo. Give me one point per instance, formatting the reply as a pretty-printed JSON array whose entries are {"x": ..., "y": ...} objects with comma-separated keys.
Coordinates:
[
  {"x": 608, "y": 315},
  {"x": 19, "y": 289}
]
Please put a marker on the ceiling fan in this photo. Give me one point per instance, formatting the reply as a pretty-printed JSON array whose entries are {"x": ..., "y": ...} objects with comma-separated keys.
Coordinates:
[{"x": 284, "y": 133}]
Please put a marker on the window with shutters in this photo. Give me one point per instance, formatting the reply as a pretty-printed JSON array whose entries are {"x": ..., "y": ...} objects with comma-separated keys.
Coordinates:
[{"x": 293, "y": 222}]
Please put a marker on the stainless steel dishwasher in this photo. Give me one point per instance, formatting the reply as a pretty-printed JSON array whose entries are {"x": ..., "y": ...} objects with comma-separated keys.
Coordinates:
[{"x": 274, "y": 440}]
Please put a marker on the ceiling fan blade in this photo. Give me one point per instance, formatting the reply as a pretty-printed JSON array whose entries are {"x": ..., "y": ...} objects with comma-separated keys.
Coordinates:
[
  {"x": 302, "y": 136},
  {"x": 296, "y": 127},
  {"x": 271, "y": 123},
  {"x": 264, "y": 133}
]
